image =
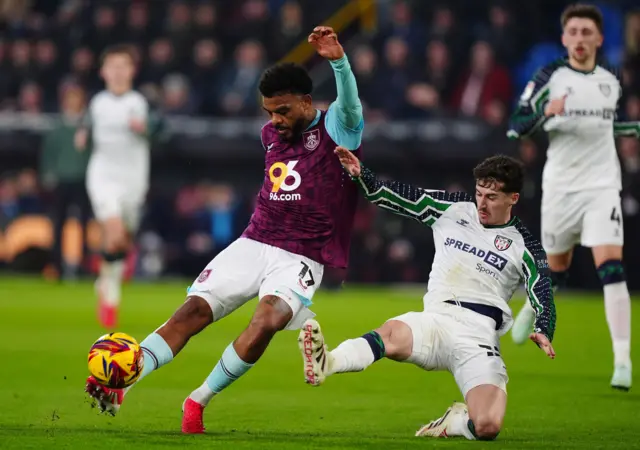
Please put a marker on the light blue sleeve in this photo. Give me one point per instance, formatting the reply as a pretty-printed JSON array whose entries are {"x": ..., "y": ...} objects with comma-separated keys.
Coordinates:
[{"x": 344, "y": 121}]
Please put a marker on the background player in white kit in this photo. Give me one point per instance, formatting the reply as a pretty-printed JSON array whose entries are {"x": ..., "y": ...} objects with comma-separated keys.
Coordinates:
[
  {"x": 482, "y": 256},
  {"x": 575, "y": 100},
  {"x": 118, "y": 172}
]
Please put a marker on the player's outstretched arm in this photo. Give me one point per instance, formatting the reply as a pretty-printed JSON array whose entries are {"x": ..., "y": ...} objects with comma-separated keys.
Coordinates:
[
  {"x": 344, "y": 120},
  {"x": 348, "y": 105},
  {"x": 538, "y": 286},
  {"x": 423, "y": 205},
  {"x": 530, "y": 113}
]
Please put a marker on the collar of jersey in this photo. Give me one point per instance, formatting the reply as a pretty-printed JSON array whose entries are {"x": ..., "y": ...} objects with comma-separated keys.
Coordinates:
[
  {"x": 510, "y": 223},
  {"x": 315, "y": 121},
  {"x": 583, "y": 72}
]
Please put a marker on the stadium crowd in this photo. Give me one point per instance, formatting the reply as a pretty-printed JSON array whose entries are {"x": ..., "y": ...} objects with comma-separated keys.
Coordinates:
[{"x": 205, "y": 58}]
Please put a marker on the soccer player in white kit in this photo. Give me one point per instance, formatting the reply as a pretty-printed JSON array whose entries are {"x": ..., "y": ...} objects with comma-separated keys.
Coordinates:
[
  {"x": 482, "y": 256},
  {"x": 118, "y": 171},
  {"x": 574, "y": 100}
]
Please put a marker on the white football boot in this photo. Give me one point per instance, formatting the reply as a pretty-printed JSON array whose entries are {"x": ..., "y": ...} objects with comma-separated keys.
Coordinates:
[
  {"x": 523, "y": 325},
  {"x": 621, "y": 377},
  {"x": 441, "y": 427},
  {"x": 315, "y": 354}
]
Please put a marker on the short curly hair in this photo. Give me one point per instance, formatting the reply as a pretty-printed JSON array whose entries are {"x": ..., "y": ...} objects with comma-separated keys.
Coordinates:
[
  {"x": 285, "y": 78},
  {"x": 501, "y": 169}
]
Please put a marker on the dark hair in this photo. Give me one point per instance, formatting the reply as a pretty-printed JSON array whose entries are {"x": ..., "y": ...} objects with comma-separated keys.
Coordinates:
[
  {"x": 118, "y": 49},
  {"x": 501, "y": 169},
  {"x": 582, "y": 11},
  {"x": 285, "y": 78}
]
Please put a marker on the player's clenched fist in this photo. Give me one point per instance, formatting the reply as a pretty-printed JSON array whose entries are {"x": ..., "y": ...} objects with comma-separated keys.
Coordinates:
[
  {"x": 555, "y": 107},
  {"x": 325, "y": 41},
  {"x": 349, "y": 161}
]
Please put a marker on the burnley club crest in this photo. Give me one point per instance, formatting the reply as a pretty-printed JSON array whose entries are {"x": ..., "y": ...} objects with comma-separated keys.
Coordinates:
[
  {"x": 502, "y": 243},
  {"x": 311, "y": 139}
]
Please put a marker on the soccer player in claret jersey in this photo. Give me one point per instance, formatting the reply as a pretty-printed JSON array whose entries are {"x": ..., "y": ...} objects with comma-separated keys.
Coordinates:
[
  {"x": 575, "y": 99},
  {"x": 118, "y": 171},
  {"x": 482, "y": 256},
  {"x": 302, "y": 223}
]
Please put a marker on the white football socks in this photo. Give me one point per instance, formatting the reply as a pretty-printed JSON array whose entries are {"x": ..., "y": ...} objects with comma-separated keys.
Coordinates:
[
  {"x": 111, "y": 274},
  {"x": 203, "y": 394},
  {"x": 617, "y": 304},
  {"x": 352, "y": 355},
  {"x": 459, "y": 426}
]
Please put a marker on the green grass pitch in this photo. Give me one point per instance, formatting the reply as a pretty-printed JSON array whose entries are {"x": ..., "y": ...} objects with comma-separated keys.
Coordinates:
[{"x": 46, "y": 331}]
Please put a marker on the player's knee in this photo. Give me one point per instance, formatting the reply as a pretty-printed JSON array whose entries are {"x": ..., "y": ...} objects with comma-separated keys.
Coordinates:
[
  {"x": 611, "y": 272},
  {"x": 194, "y": 315},
  {"x": 398, "y": 340},
  {"x": 487, "y": 427}
]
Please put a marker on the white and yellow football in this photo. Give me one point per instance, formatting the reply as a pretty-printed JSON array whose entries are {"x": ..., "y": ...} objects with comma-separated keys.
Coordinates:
[{"x": 115, "y": 360}]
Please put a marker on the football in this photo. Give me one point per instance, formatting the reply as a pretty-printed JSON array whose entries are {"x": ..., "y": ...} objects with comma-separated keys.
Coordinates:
[{"x": 115, "y": 360}]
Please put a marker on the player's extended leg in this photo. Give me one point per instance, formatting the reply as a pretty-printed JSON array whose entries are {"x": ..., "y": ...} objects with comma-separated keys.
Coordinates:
[
  {"x": 393, "y": 340},
  {"x": 523, "y": 324},
  {"x": 480, "y": 418},
  {"x": 159, "y": 348},
  {"x": 272, "y": 315},
  {"x": 617, "y": 304},
  {"x": 116, "y": 243}
]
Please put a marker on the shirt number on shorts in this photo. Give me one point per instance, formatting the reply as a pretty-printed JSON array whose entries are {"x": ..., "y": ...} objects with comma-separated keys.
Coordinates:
[
  {"x": 615, "y": 216},
  {"x": 305, "y": 272}
]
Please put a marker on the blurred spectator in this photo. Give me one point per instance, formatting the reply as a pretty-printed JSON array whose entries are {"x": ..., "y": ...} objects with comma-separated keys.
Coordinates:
[
  {"x": 176, "y": 95},
  {"x": 21, "y": 67},
  {"x": 238, "y": 86},
  {"x": 444, "y": 27},
  {"x": 161, "y": 61},
  {"x": 30, "y": 98},
  {"x": 104, "y": 28},
  {"x": 483, "y": 82},
  {"x": 250, "y": 21},
  {"x": 138, "y": 29},
  {"x": 364, "y": 63},
  {"x": 178, "y": 27},
  {"x": 437, "y": 70},
  {"x": 62, "y": 171},
  {"x": 632, "y": 39},
  {"x": 395, "y": 74},
  {"x": 205, "y": 21},
  {"x": 288, "y": 31},
  {"x": 403, "y": 25},
  {"x": 84, "y": 70},
  {"x": 501, "y": 33},
  {"x": 47, "y": 69},
  {"x": 423, "y": 100},
  {"x": 205, "y": 73}
]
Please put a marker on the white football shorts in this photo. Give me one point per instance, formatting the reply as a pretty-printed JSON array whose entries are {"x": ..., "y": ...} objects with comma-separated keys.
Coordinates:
[
  {"x": 590, "y": 218},
  {"x": 247, "y": 268},
  {"x": 464, "y": 342}
]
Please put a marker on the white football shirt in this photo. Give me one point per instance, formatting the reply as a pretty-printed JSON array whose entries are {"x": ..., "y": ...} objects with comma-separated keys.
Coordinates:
[
  {"x": 473, "y": 263},
  {"x": 118, "y": 153},
  {"x": 582, "y": 153}
]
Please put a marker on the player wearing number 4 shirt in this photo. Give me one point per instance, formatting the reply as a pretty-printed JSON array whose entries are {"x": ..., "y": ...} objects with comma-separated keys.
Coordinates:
[
  {"x": 575, "y": 101},
  {"x": 482, "y": 256},
  {"x": 302, "y": 223}
]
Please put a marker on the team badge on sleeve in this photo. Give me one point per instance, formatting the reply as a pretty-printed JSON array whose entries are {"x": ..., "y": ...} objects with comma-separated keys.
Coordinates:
[
  {"x": 502, "y": 243},
  {"x": 204, "y": 275},
  {"x": 311, "y": 139}
]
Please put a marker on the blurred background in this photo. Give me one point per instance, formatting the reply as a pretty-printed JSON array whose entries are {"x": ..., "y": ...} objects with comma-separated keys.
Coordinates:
[{"x": 437, "y": 79}]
